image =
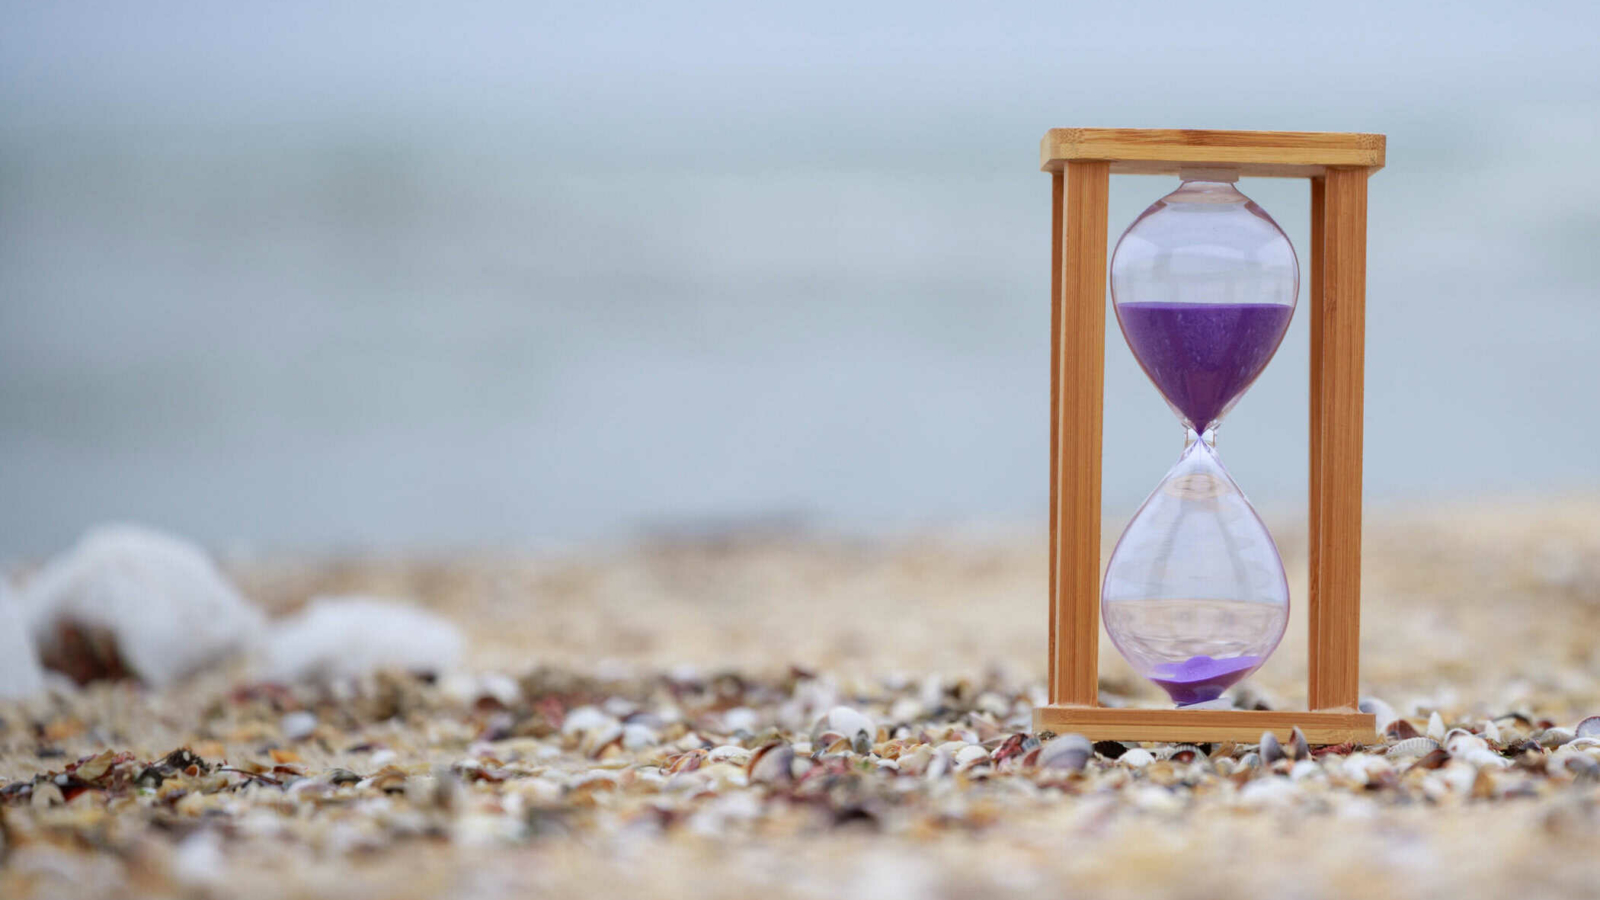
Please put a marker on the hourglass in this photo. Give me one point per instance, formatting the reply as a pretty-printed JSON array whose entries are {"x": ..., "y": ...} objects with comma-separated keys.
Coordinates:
[{"x": 1204, "y": 285}]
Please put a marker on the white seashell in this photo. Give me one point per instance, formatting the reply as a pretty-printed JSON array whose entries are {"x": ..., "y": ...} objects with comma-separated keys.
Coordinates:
[
  {"x": 1305, "y": 768},
  {"x": 1068, "y": 751},
  {"x": 1250, "y": 760},
  {"x": 1382, "y": 712},
  {"x": 1491, "y": 732},
  {"x": 1483, "y": 757},
  {"x": 1154, "y": 798},
  {"x": 1417, "y": 746},
  {"x": 1364, "y": 768},
  {"x": 1271, "y": 791},
  {"x": 1435, "y": 726},
  {"x": 1555, "y": 737},
  {"x": 1434, "y": 786},
  {"x": 850, "y": 723},
  {"x": 298, "y": 725},
  {"x": 585, "y": 718},
  {"x": 597, "y": 739},
  {"x": 906, "y": 709},
  {"x": 917, "y": 761},
  {"x": 501, "y": 687},
  {"x": 638, "y": 737},
  {"x": 1137, "y": 758},
  {"x": 1459, "y": 742},
  {"x": 1271, "y": 750},
  {"x": 1574, "y": 762},
  {"x": 1583, "y": 743},
  {"x": 970, "y": 756},
  {"x": 740, "y": 718},
  {"x": 939, "y": 766},
  {"x": 728, "y": 753},
  {"x": 1589, "y": 728},
  {"x": 993, "y": 704},
  {"x": 199, "y": 862},
  {"x": 1459, "y": 776}
]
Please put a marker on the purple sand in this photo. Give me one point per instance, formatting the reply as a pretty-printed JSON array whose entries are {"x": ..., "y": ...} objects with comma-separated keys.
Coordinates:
[
  {"x": 1201, "y": 678},
  {"x": 1202, "y": 356}
]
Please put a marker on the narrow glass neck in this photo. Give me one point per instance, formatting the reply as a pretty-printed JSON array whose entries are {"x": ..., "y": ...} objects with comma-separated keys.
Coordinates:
[{"x": 1189, "y": 437}]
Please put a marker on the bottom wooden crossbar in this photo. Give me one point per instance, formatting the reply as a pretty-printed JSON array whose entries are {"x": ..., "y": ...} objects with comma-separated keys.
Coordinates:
[{"x": 1320, "y": 727}]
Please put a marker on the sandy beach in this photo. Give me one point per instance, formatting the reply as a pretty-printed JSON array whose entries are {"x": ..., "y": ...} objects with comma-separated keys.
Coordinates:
[{"x": 664, "y": 719}]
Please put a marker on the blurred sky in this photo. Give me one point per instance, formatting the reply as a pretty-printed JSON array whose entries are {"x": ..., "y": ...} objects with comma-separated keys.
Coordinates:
[{"x": 398, "y": 275}]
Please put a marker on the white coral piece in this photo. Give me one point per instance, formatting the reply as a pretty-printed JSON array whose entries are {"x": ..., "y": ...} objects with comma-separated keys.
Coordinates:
[
  {"x": 20, "y": 674},
  {"x": 342, "y": 637},
  {"x": 160, "y": 598}
]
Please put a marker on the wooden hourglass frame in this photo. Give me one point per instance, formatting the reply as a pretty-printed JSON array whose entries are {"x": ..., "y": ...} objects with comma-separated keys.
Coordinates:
[{"x": 1081, "y": 161}]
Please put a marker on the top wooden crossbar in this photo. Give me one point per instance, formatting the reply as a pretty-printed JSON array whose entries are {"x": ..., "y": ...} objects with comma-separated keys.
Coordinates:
[{"x": 1164, "y": 151}]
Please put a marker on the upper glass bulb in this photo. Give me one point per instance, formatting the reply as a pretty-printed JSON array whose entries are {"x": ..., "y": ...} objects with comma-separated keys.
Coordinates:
[{"x": 1204, "y": 284}]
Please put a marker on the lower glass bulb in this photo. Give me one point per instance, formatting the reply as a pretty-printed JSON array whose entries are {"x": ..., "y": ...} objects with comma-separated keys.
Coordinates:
[{"x": 1195, "y": 596}]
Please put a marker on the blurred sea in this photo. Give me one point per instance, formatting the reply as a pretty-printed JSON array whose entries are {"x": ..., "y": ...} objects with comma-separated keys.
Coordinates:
[{"x": 403, "y": 331}]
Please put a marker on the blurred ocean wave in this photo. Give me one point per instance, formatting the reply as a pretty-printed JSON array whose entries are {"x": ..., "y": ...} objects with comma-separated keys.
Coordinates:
[{"x": 519, "y": 324}]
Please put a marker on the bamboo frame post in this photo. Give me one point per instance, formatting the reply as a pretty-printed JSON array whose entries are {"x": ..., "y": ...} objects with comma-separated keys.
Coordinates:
[
  {"x": 1081, "y": 161},
  {"x": 1338, "y": 305},
  {"x": 1077, "y": 380}
]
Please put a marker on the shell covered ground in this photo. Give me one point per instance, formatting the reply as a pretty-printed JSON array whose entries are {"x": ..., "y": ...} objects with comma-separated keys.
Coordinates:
[{"x": 783, "y": 715}]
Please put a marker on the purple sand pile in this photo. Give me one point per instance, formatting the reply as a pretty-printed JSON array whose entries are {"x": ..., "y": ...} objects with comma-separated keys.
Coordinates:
[
  {"x": 1202, "y": 356},
  {"x": 1201, "y": 678}
]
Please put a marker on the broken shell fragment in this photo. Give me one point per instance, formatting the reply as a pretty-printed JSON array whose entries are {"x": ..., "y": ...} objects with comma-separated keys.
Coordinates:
[
  {"x": 1184, "y": 753},
  {"x": 1110, "y": 749},
  {"x": 1401, "y": 730},
  {"x": 1297, "y": 740},
  {"x": 1382, "y": 713},
  {"x": 1271, "y": 750},
  {"x": 1436, "y": 726},
  {"x": 772, "y": 764}
]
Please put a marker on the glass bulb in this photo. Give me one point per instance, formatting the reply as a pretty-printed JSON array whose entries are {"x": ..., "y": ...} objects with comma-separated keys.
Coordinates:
[
  {"x": 1204, "y": 285},
  {"x": 1195, "y": 596}
]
